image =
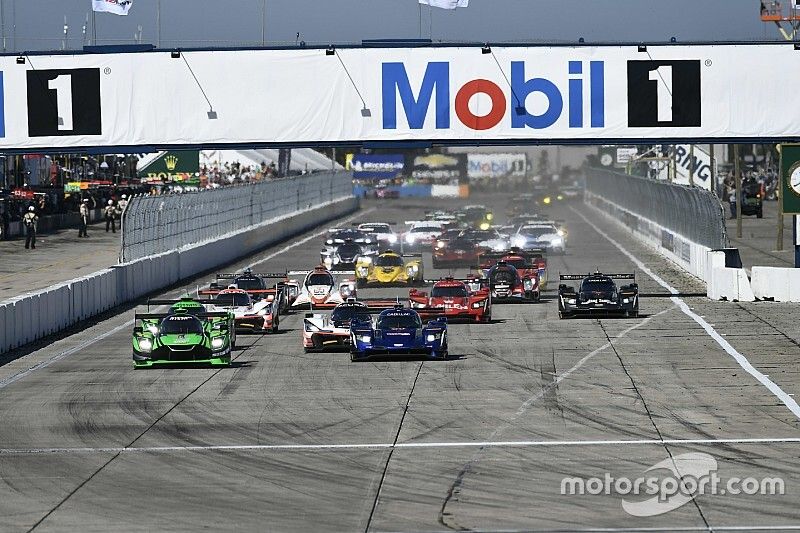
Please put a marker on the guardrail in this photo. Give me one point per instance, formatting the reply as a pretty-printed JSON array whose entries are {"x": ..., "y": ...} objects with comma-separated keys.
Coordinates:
[
  {"x": 682, "y": 223},
  {"x": 691, "y": 212},
  {"x": 158, "y": 224}
]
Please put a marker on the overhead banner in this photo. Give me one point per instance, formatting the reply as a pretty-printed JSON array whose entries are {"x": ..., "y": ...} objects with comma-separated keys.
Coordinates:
[
  {"x": 172, "y": 166},
  {"x": 374, "y": 166},
  {"x": 580, "y": 94},
  {"x": 493, "y": 166}
]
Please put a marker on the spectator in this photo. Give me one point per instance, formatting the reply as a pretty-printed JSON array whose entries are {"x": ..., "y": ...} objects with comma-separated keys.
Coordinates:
[
  {"x": 110, "y": 214},
  {"x": 84, "y": 218},
  {"x": 30, "y": 221}
]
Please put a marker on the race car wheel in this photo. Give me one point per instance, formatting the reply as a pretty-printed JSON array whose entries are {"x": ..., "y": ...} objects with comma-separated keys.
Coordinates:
[
  {"x": 354, "y": 357},
  {"x": 360, "y": 283}
]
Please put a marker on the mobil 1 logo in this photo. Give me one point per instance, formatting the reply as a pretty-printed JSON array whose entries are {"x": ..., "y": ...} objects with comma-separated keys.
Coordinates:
[
  {"x": 664, "y": 93},
  {"x": 64, "y": 102}
]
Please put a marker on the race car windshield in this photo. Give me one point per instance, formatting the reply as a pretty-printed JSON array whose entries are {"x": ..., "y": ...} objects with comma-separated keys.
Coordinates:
[
  {"x": 377, "y": 229},
  {"x": 389, "y": 261},
  {"x": 320, "y": 279},
  {"x": 504, "y": 276},
  {"x": 482, "y": 235},
  {"x": 399, "y": 321},
  {"x": 249, "y": 284},
  {"x": 232, "y": 300},
  {"x": 426, "y": 229},
  {"x": 535, "y": 233},
  {"x": 516, "y": 263},
  {"x": 449, "y": 292},
  {"x": 181, "y": 325},
  {"x": 348, "y": 313},
  {"x": 597, "y": 286},
  {"x": 474, "y": 214}
]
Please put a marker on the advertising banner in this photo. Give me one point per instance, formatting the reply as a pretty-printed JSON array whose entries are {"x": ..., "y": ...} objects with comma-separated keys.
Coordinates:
[
  {"x": 373, "y": 166},
  {"x": 172, "y": 166},
  {"x": 576, "y": 94},
  {"x": 441, "y": 168},
  {"x": 494, "y": 166}
]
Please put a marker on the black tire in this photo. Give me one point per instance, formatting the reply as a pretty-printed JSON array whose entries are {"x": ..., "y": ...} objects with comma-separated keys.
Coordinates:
[
  {"x": 360, "y": 283},
  {"x": 760, "y": 213}
]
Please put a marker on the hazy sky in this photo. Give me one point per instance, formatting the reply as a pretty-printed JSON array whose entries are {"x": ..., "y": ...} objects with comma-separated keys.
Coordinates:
[{"x": 38, "y": 24}]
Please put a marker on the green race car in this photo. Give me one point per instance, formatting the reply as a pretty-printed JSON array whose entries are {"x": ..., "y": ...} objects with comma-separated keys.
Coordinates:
[{"x": 187, "y": 333}]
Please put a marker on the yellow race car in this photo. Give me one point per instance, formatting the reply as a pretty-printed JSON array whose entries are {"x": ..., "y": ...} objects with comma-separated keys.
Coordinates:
[{"x": 389, "y": 268}]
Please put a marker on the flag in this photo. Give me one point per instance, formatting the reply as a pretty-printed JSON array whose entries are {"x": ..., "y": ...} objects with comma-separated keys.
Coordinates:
[
  {"x": 445, "y": 4},
  {"x": 117, "y": 7}
]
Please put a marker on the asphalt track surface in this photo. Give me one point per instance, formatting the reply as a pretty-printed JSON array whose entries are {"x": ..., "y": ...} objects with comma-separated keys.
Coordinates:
[{"x": 287, "y": 441}]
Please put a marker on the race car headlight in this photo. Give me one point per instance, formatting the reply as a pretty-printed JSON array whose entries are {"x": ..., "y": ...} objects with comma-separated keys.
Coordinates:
[
  {"x": 152, "y": 328},
  {"x": 489, "y": 216},
  {"x": 500, "y": 247},
  {"x": 329, "y": 241},
  {"x": 560, "y": 233},
  {"x": 485, "y": 225},
  {"x": 217, "y": 343},
  {"x": 560, "y": 197},
  {"x": 430, "y": 338},
  {"x": 410, "y": 239},
  {"x": 626, "y": 300},
  {"x": 365, "y": 338},
  {"x": 363, "y": 271},
  {"x": 392, "y": 239},
  {"x": 440, "y": 244},
  {"x": 528, "y": 284},
  {"x": 145, "y": 345},
  {"x": 478, "y": 305},
  {"x": 413, "y": 269},
  {"x": 546, "y": 200},
  {"x": 328, "y": 261},
  {"x": 572, "y": 301}
]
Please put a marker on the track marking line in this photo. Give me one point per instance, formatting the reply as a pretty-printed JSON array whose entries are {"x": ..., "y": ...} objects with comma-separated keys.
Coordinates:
[
  {"x": 44, "y": 364},
  {"x": 401, "y": 445},
  {"x": 632, "y": 530},
  {"x": 779, "y": 393}
]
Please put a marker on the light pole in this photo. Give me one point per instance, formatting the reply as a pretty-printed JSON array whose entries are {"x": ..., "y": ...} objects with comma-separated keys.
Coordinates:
[{"x": 66, "y": 33}]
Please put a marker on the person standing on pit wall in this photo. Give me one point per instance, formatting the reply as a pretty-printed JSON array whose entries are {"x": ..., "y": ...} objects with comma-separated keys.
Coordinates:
[
  {"x": 110, "y": 214},
  {"x": 30, "y": 221},
  {"x": 83, "y": 219}
]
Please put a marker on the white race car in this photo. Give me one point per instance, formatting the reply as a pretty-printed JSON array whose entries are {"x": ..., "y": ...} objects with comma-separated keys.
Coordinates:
[
  {"x": 248, "y": 315},
  {"x": 382, "y": 231},
  {"x": 325, "y": 331},
  {"x": 422, "y": 234},
  {"x": 320, "y": 289}
]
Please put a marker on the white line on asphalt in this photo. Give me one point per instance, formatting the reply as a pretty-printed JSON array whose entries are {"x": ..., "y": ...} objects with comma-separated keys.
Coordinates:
[
  {"x": 44, "y": 364},
  {"x": 631, "y": 529},
  {"x": 787, "y": 400},
  {"x": 401, "y": 445}
]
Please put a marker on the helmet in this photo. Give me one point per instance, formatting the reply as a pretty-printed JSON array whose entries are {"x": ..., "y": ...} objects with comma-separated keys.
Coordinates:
[
  {"x": 31, "y": 208},
  {"x": 86, "y": 200},
  {"x": 111, "y": 202}
]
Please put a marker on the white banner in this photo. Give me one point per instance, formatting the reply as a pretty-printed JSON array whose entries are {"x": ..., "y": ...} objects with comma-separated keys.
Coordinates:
[
  {"x": 496, "y": 165},
  {"x": 686, "y": 157},
  {"x": 585, "y": 94},
  {"x": 117, "y": 7},
  {"x": 445, "y": 4}
]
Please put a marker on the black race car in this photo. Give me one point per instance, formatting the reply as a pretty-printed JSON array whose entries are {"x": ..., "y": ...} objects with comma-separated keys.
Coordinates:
[{"x": 598, "y": 295}]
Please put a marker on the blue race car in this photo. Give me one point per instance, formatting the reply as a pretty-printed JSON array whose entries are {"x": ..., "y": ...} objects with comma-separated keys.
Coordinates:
[{"x": 398, "y": 331}]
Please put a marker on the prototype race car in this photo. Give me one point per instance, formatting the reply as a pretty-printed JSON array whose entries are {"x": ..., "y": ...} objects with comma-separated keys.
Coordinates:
[
  {"x": 456, "y": 299},
  {"x": 398, "y": 331},
  {"x": 343, "y": 247},
  {"x": 255, "y": 284},
  {"x": 321, "y": 290},
  {"x": 326, "y": 332},
  {"x": 422, "y": 234},
  {"x": 460, "y": 251},
  {"x": 545, "y": 236},
  {"x": 390, "y": 268},
  {"x": 598, "y": 295},
  {"x": 186, "y": 333},
  {"x": 382, "y": 231},
  {"x": 507, "y": 285},
  {"x": 529, "y": 263},
  {"x": 477, "y": 216},
  {"x": 248, "y": 315}
]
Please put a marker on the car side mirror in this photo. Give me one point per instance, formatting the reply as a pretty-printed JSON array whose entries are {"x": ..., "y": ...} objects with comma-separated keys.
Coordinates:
[{"x": 138, "y": 330}]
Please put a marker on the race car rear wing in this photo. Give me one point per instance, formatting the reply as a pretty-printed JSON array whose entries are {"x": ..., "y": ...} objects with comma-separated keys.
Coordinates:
[
  {"x": 528, "y": 253},
  {"x": 156, "y": 316},
  {"x": 575, "y": 277},
  {"x": 156, "y": 302},
  {"x": 334, "y": 272},
  {"x": 263, "y": 275}
]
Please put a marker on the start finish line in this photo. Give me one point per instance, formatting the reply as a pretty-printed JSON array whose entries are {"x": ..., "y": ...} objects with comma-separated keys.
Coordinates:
[{"x": 438, "y": 94}]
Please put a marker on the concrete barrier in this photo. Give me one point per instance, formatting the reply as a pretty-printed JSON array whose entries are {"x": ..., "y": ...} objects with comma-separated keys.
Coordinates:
[
  {"x": 775, "y": 283},
  {"x": 29, "y": 317},
  {"x": 729, "y": 284}
]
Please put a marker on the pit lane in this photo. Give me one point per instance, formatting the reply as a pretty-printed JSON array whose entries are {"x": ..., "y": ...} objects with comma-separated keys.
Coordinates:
[{"x": 297, "y": 442}]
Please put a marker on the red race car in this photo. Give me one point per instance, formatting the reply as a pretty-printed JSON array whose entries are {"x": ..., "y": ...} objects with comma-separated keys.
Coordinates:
[
  {"x": 458, "y": 252},
  {"x": 527, "y": 262},
  {"x": 455, "y": 299}
]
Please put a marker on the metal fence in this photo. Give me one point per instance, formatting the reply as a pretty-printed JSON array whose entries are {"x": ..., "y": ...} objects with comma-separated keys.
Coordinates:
[
  {"x": 692, "y": 212},
  {"x": 156, "y": 224}
]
